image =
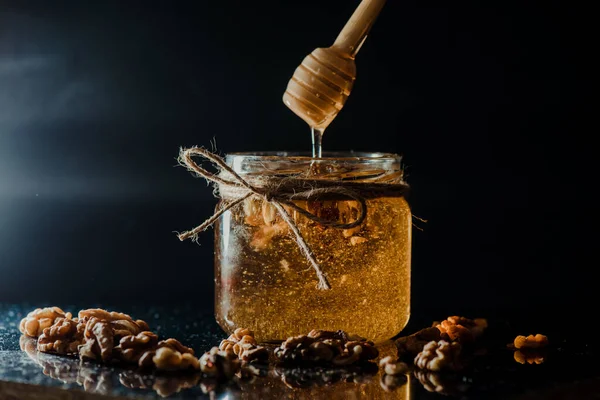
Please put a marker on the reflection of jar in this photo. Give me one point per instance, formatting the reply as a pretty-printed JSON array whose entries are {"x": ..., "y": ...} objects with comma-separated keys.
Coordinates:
[{"x": 263, "y": 280}]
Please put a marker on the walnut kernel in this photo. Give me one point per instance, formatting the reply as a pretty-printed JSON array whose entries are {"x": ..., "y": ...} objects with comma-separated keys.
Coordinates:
[
  {"x": 531, "y": 341},
  {"x": 60, "y": 338},
  {"x": 99, "y": 341},
  {"x": 131, "y": 348},
  {"x": 41, "y": 318},
  {"x": 169, "y": 359}
]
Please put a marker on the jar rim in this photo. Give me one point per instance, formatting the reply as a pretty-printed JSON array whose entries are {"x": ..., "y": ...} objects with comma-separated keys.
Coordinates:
[{"x": 328, "y": 156}]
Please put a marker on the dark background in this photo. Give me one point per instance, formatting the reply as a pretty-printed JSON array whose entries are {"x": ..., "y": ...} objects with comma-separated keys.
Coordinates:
[{"x": 480, "y": 98}]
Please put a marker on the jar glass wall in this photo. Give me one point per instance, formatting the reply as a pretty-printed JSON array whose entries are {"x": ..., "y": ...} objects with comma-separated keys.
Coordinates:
[{"x": 264, "y": 282}]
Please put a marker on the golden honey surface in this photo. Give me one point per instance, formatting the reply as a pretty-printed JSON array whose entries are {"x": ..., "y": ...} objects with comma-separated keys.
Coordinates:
[{"x": 264, "y": 282}]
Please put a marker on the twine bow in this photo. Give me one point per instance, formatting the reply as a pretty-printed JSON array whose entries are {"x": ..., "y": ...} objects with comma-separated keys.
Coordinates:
[{"x": 234, "y": 189}]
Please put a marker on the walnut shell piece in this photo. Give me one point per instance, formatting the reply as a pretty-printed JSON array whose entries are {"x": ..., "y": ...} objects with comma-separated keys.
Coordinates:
[
  {"x": 531, "y": 342},
  {"x": 439, "y": 356},
  {"x": 39, "y": 319}
]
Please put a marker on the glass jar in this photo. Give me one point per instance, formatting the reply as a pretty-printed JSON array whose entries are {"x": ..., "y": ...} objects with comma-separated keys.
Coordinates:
[{"x": 265, "y": 283}]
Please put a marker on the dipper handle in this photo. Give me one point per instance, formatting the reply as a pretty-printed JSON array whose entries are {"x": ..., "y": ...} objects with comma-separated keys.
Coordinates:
[{"x": 357, "y": 28}]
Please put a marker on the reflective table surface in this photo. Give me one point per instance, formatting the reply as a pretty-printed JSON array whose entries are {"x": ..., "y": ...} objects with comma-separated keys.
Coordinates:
[{"x": 566, "y": 369}]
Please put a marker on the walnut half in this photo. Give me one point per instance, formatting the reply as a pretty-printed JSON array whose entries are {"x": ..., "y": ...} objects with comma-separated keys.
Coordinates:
[
  {"x": 39, "y": 319},
  {"x": 168, "y": 359},
  {"x": 531, "y": 341}
]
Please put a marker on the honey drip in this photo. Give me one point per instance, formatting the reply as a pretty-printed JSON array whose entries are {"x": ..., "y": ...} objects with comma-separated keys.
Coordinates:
[{"x": 317, "y": 139}]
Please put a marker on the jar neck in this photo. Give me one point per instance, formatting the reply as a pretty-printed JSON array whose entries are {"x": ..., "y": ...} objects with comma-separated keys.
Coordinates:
[{"x": 359, "y": 167}]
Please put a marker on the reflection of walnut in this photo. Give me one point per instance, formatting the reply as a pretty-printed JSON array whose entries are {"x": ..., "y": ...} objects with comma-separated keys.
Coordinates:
[
  {"x": 99, "y": 341},
  {"x": 442, "y": 383},
  {"x": 169, "y": 359},
  {"x": 462, "y": 329},
  {"x": 131, "y": 348},
  {"x": 320, "y": 376},
  {"x": 390, "y": 383},
  {"x": 530, "y": 357},
  {"x": 438, "y": 356},
  {"x": 163, "y": 385},
  {"x": 166, "y": 355},
  {"x": 28, "y": 345},
  {"x": 166, "y": 386},
  {"x": 393, "y": 367},
  {"x": 531, "y": 341},
  {"x": 219, "y": 364},
  {"x": 62, "y": 338},
  {"x": 410, "y": 346},
  {"x": 39, "y": 319},
  {"x": 95, "y": 381}
]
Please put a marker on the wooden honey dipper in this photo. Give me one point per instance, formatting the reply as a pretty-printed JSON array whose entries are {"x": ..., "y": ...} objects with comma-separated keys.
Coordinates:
[{"x": 322, "y": 83}]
